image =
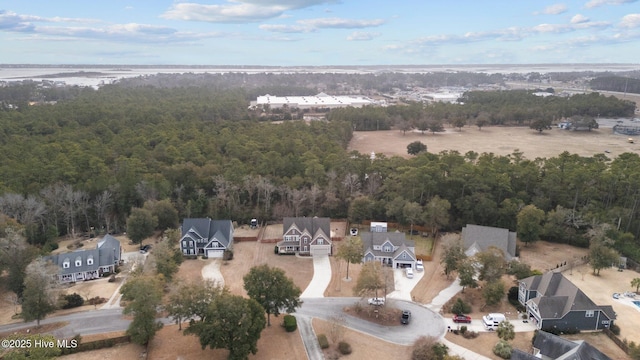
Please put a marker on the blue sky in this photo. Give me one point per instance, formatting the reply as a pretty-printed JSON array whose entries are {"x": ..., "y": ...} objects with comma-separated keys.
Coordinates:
[{"x": 318, "y": 32}]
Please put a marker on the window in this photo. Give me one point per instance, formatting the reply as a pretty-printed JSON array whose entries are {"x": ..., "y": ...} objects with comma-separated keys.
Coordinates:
[
  {"x": 78, "y": 261},
  {"x": 306, "y": 240},
  {"x": 404, "y": 255},
  {"x": 387, "y": 248},
  {"x": 589, "y": 313},
  {"x": 191, "y": 243},
  {"x": 90, "y": 260},
  {"x": 184, "y": 243},
  {"x": 66, "y": 264},
  {"x": 320, "y": 241}
]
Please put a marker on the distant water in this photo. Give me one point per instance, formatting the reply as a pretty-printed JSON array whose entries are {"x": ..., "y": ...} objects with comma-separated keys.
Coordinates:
[{"x": 96, "y": 75}]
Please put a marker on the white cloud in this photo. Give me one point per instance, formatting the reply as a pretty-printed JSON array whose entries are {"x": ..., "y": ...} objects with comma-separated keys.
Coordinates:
[
  {"x": 630, "y": 21},
  {"x": 579, "y": 18},
  {"x": 286, "y": 28},
  {"x": 237, "y": 11},
  {"x": 312, "y": 25},
  {"x": 58, "y": 28},
  {"x": 362, "y": 36},
  {"x": 340, "y": 23},
  {"x": 596, "y": 3},
  {"x": 555, "y": 9},
  {"x": 15, "y": 22}
]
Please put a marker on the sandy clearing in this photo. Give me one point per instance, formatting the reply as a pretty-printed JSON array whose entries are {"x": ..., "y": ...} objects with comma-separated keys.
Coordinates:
[{"x": 497, "y": 140}]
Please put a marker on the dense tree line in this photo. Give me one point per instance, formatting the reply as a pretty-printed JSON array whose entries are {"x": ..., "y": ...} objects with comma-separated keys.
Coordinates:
[
  {"x": 85, "y": 163},
  {"x": 616, "y": 83}
]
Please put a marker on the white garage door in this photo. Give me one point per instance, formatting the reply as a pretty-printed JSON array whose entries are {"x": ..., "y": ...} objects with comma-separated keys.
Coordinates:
[
  {"x": 214, "y": 253},
  {"x": 320, "y": 250}
]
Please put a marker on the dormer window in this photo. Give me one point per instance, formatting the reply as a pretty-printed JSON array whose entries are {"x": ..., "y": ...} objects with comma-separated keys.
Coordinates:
[
  {"x": 90, "y": 260},
  {"x": 66, "y": 263},
  {"x": 387, "y": 248},
  {"x": 78, "y": 261}
]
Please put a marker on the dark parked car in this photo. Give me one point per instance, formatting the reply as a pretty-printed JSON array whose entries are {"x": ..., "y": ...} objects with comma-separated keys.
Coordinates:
[
  {"x": 406, "y": 317},
  {"x": 145, "y": 249},
  {"x": 461, "y": 319}
]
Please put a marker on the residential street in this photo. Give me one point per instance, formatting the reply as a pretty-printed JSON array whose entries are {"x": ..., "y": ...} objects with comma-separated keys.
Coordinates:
[{"x": 424, "y": 322}]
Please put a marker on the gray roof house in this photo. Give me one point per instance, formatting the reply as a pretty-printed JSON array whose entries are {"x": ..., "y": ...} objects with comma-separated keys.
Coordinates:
[
  {"x": 554, "y": 302},
  {"x": 206, "y": 237},
  {"x": 477, "y": 238},
  {"x": 88, "y": 264},
  {"x": 547, "y": 346},
  {"x": 306, "y": 235},
  {"x": 389, "y": 248}
]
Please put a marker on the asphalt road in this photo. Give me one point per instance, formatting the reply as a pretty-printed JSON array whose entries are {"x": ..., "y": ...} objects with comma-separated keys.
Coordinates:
[{"x": 423, "y": 322}]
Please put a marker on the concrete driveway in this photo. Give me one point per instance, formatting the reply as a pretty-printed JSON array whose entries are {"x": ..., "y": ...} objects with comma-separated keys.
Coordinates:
[
  {"x": 211, "y": 271},
  {"x": 404, "y": 285},
  {"x": 321, "y": 277}
]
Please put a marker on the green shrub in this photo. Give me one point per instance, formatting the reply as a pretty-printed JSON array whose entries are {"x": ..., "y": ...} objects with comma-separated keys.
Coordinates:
[
  {"x": 290, "y": 323},
  {"x": 470, "y": 334},
  {"x": 460, "y": 307},
  {"x": 463, "y": 329},
  {"x": 323, "y": 341},
  {"x": 503, "y": 349},
  {"x": 615, "y": 329},
  {"x": 344, "y": 348},
  {"x": 72, "y": 300}
]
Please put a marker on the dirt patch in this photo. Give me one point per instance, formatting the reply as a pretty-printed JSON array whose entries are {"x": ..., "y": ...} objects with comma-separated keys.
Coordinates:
[
  {"x": 340, "y": 286},
  {"x": 362, "y": 344},
  {"x": 274, "y": 343},
  {"x": 601, "y": 288},
  {"x": 485, "y": 342},
  {"x": 272, "y": 233},
  {"x": 434, "y": 280},
  {"x": 497, "y": 140},
  {"x": 43, "y": 329},
  {"x": 118, "y": 352},
  {"x": 381, "y": 315},
  {"x": 544, "y": 256},
  {"x": 248, "y": 254}
]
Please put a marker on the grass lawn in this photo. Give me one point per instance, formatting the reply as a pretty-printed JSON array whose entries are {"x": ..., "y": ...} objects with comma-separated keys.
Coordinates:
[{"x": 424, "y": 245}]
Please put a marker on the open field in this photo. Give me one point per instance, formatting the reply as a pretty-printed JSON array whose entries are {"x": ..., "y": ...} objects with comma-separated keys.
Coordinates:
[{"x": 497, "y": 140}]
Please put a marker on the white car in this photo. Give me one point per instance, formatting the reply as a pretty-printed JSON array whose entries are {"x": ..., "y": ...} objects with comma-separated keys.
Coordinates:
[
  {"x": 408, "y": 272},
  {"x": 419, "y": 265},
  {"x": 376, "y": 301},
  {"x": 354, "y": 231}
]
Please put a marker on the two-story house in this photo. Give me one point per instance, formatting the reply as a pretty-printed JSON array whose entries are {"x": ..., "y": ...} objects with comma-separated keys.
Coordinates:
[
  {"x": 388, "y": 248},
  {"x": 88, "y": 264},
  {"x": 206, "y": 237},
  {"x": 304, "y": 235},
  {"x": 547, "y": 346},
  {"x": 477, "y": 238},
  {"x": 554, "y": 302}
]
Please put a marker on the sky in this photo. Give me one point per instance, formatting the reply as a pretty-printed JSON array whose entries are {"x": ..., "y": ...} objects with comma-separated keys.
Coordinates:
[{"x": 318, "y": 32}]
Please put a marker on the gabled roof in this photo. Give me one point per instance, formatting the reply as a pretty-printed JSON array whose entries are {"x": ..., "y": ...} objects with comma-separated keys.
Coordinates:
[
  {"x": 107, "y": 252},
  {"x": 555, "y": 347},
  {"x": 312, "y": 225},
  {"x": 518, "y": 354},
  {"x": 397, "y": 239},
  {"x": 403, "y": 249},
  {"x": 207, "y": 228},
  {"x": 557, "y": 296},
  {"x": 486, "y": 236}
]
